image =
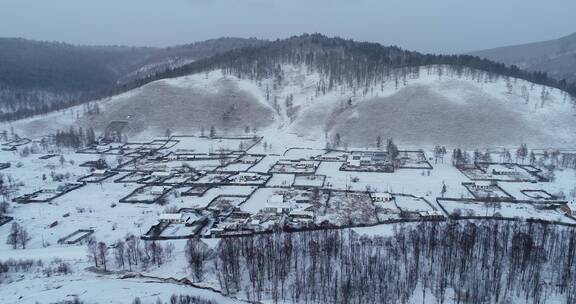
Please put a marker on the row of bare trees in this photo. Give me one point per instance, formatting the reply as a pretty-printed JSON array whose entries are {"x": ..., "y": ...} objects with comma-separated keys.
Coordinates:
[
  {"x": 468, "y": 262},
  {"x": 18, "y": 236},
  {"x": 129, "y": 253}
]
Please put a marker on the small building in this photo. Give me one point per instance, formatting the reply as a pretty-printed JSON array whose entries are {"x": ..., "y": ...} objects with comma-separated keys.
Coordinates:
[
  {"x": 569, "y": 208},
  {"x": 484, "y": 186},
  {"x": 434, "y": 214},
  {"x": 276, "y": 204},
  {"x": 174, "y": 218},
  {"x": 381, "y": 197},
  {"x": 99, "y": 172},
  {"x": 503, "y": 170},
  {"x": 157, "y": 190},
  {"x": 301, "y": 214},
  {"x": 161, "y": 174}
]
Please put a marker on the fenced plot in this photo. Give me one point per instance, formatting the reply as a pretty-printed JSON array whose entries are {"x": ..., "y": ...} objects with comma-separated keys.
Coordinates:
[
  {"x": 197, "y": 190},
  {"x": 309, "y": 180},
  {"x": 346, "y": 208},
  {"x": 47, "y": 195},
  {"x": 97, "y": 178},
  {"x": 538, "y": 194},
  {"x": 146, "y": 194},
  {"x": 76, "y": 237},
  {"x": 295, "y": 166},
  {"x": 488, "y": 192},
  {"x": 468, "y": 208},
  {"x": 412, "y": 204},
  {"x": 413, "y": 160},
  {"x": 134, "y": 177}
]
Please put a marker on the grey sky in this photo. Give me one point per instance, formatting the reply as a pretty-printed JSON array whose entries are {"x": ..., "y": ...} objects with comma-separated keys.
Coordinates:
[{"x": 424, "y": 25}]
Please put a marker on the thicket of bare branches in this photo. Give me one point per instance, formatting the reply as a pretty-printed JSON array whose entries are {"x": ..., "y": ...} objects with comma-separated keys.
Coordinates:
[{"x": 473, "y": 262}]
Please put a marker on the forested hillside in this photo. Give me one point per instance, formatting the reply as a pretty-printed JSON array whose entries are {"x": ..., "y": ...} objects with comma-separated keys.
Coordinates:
[
  {"x": 555, "y": 57},
  {"x": 38, "y": 77},
  {"x": 346, "y": 62}
]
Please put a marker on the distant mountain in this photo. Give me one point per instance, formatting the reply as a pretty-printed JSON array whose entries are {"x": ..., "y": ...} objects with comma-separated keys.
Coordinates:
[
  {"x": 555, "y": 57},
  {"x": 36, "y": 77}
]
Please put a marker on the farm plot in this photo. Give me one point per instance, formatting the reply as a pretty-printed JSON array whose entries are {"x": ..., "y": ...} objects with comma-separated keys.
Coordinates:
[
  {"x": 97, "y": 178},
  {"x": 309, "y": 181},
  {"x": 538, "y": 194},
  {"x": 295, "y": 166},
  {"x": 146, "y": 194},
  {"x": 491, "y": 191},
  {"x": 412, "y": 204},
  {"x": 134, "y": 177},
  {"x": 347, "y": 209},
  {"x": 413, "y": 160},
  {"x": 458, "y": 208},
  {"x": 76, "y": 236},
  {"x": 203, "y": 200},
  {"x": 281, "y": 180},
  {"x": 210, "y": 145},
  {"x": 212, "y": 178},
  {"x": 226, "y": 203},
  {"x": 248, "y": 178}
]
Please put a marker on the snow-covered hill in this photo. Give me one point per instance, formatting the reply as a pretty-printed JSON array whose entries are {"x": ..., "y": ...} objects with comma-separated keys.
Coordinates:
[{"x": 430, "y": 105}]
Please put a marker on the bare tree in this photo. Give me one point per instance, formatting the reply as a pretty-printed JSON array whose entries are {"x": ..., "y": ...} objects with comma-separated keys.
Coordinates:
[
  {"x": 120, "y": 253},
  {"x": 103, "y": 254},
  {"x": 197, "y": 252},
  {"x": 92, "y": 247}
]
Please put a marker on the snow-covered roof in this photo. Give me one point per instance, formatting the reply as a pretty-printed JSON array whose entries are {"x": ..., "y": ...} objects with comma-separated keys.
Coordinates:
[
  {"x": 161, "y": 173},
  {"x": 381, "y": 195},
  {"x": 430, "y": 213},
  {"x": 247, "y": 174},
  {"x": 99, "y": 172},
  {"x": 171, "y": 216},
  {"x": 302, "y": 213},
  {"x": 157, "y": 189}
]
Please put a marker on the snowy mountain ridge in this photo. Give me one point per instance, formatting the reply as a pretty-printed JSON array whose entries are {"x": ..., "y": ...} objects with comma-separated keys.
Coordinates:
[{"x": 414, "y": 106}]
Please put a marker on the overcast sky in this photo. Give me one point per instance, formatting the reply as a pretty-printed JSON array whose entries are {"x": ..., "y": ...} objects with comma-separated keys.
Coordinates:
[{"x": 441, "y": 26}]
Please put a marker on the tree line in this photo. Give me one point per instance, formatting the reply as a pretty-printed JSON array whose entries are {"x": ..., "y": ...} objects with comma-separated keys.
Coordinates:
[
  {"x": 128, "y": 254},
  {"x": 464, "y": 262},
  {"x": 358, "y": 65}
]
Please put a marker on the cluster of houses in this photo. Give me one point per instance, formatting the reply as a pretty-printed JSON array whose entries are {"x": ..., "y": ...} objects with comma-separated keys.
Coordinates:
[{"x": 369, "y": 161}]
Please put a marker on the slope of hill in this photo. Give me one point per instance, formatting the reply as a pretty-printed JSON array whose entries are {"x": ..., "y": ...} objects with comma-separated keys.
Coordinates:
[
  {"x": 320, "y": 89},
  {"x": 36, "y": 77},
  {"x": 555, "y": 57},
  {"x": 431, "y": 105}
]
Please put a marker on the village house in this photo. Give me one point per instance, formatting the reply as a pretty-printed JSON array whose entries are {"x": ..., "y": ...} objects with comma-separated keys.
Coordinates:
[
  {"x": 367, "y": 158},
  {"x": 157, "y": 190},
  {"x": 569, "y": 208},
  {"x": 381, "y": 197},
  {"x": 301, "y": 214},
  {"x": 99, "y": 172},
  {"x": 502, "y": 170},
  {"x": 174, "y": 218},
  {"x": 484, "y": 186},
  {"x": 276, "y": 204},
  {"x": 435, "y": 214},
  {"x": 248, "y": 176},
  {"x": 161, "y": 174}
]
